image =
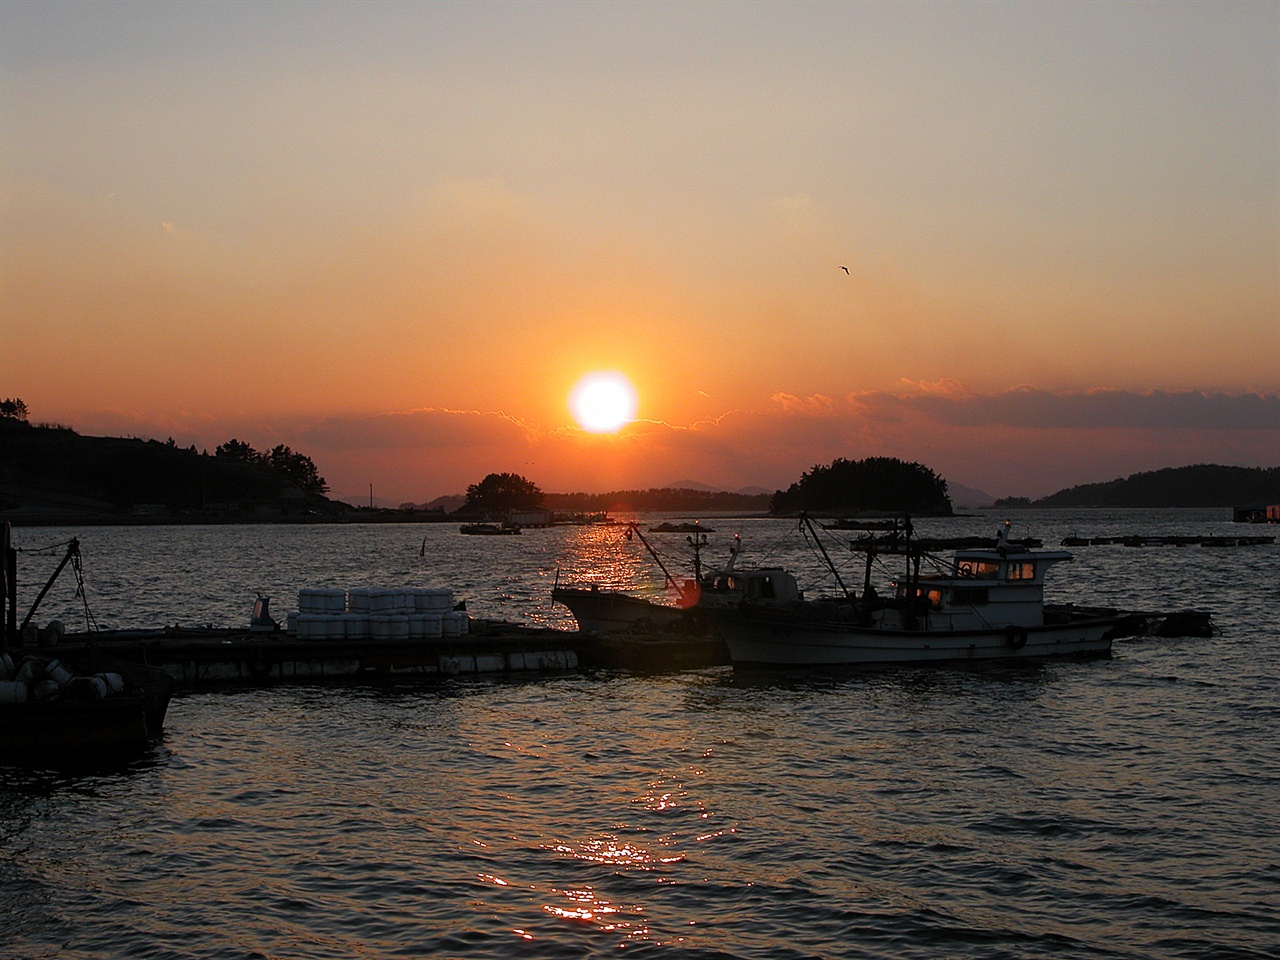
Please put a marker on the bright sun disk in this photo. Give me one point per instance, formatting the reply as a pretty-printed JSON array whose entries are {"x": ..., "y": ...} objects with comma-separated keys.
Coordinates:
[{"x": 603, "y": 402}]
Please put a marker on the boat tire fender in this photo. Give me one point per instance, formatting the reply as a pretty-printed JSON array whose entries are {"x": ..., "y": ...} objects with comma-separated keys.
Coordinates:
[{"x": 1016, "y": 638}]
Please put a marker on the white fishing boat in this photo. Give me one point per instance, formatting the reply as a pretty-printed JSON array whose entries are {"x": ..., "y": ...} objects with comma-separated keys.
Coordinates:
[{"x": 984, "y": 604}]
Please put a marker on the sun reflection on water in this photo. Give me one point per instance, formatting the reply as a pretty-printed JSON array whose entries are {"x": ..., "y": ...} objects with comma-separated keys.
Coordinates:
[
  {"x": 584, "y": 905},
  {"x": 615, "y": 852},
  {"x": 603, "y": 555}
]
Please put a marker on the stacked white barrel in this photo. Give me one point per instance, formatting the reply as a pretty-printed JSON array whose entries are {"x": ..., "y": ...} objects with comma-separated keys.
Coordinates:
[
  {"x": 376, "y": 613},
  {"x": 41, "y": 679}
]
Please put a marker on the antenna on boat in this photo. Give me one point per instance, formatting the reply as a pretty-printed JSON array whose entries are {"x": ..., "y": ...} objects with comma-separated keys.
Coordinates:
[{"x": 697, "y": 541}]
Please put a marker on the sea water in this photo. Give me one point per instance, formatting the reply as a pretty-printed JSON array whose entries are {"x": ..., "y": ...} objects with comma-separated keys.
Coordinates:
[{"x": 1117, "y": 807}]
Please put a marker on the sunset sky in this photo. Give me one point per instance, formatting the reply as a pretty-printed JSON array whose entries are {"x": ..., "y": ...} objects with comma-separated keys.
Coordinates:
[{"x": 394, "y": 235}]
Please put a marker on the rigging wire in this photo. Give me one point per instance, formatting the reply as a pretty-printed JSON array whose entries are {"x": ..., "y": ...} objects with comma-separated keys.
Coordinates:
[{"x": 77, "y": 567}]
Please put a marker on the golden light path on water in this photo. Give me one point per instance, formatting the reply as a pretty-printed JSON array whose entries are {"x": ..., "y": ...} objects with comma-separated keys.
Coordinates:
[{"x": 583, "y": 903}]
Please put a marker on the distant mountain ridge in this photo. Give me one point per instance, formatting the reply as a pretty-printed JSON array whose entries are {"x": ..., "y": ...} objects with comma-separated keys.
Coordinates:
[
  {"x": 962, "y": 496},
  {"x": 695, "y": 485},
  {"x": 1200, "y": 485}
]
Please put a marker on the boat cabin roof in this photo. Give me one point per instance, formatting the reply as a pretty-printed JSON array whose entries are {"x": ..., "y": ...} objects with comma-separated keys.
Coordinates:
[{"x": 1006, "y": 564}]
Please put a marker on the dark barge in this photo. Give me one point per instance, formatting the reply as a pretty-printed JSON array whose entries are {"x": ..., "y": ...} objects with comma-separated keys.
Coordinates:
[{"x": 200, "y": 657}]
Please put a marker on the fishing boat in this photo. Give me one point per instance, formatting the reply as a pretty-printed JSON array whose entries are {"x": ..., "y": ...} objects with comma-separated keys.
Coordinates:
[
  {"x": 985, "y": 603},
  {"x": 602, "y": 610},
  {"x": 611, "y": 611},
  {"x": 72, "y": 709},
  {"x": 55, "y": 716}
]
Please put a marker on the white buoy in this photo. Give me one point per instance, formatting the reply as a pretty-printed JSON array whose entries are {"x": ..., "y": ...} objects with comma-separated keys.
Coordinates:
[
  {"x": 55, "y": 671},
  {"x": 114, "y": 682}
]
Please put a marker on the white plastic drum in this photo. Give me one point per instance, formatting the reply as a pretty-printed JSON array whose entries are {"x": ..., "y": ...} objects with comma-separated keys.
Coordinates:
[
  {"x": 114, "y": 682},
  {"x": 358, "y": 600},
  {"x": 56, "y": 672}
]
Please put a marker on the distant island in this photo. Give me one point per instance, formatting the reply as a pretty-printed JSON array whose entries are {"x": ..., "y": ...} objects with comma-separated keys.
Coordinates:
[
  {"x": 1201, "y": 485},
  {"x": 53, "y": 475}
]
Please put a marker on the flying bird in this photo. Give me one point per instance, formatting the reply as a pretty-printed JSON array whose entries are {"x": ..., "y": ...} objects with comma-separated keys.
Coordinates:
[{"x": 844, "y": 268}]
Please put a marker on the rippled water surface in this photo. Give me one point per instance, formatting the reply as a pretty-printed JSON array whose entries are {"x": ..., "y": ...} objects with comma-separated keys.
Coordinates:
[{"x": 1122, "y": 807}]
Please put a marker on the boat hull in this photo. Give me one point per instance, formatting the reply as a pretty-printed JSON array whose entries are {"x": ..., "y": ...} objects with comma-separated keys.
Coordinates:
[
  {"x": 54, "y": 733},
  {"x": 781, "y": 640},
  {"x": 611, "y": 611}
]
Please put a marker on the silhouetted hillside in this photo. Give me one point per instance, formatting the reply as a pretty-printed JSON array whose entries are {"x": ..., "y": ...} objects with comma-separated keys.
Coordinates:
[
  {"x": 1202, "y": 485},
  {"x": 50, "y": 470}
]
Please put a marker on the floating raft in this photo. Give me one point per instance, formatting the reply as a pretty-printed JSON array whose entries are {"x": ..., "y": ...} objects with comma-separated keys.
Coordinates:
[
  {"x": 1169, "y": 541},
  {"x": 896, "y": 544},
  {"x": 200, "y": 656},
  {"x": 204, "y": 657}
]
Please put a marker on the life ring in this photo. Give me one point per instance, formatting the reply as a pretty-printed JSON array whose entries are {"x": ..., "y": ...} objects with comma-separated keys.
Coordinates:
[
  {"x": 966, "y": 570},
  {"x": 1016, "y": 637}
]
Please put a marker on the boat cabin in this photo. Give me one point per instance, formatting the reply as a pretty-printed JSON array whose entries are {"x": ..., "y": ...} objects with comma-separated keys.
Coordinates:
[
  {"x": 770, "y": 585},
  {"x": 983, "y": 588}
]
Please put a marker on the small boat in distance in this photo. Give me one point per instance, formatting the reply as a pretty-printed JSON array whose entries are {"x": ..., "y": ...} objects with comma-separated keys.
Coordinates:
[
  {"x": 489, "y": 529},
  {"x": 695, "y": 527},
  {"x": 987, "y": 603}
]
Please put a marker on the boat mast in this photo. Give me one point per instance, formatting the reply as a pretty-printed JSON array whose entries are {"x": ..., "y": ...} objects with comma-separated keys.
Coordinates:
[
  {"x": 633, "y": 527},
  {"x": 73, "y": 553},
  {"x": 807, "y": 521}
]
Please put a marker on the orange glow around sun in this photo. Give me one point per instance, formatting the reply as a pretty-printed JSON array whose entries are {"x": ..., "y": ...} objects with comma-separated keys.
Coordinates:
[{"x": 603, "y": 402}]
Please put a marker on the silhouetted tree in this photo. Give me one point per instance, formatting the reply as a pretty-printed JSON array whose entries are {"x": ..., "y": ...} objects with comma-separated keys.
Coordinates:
[
  {"x": 13, "y": 408},
  {"x": 238, "y": 451},
  {"x": 296, "y": 468},
  {"x": 883, "y": 484},
  {"x": 299, "y": 469},
  {"x": 500, "y": 492}
]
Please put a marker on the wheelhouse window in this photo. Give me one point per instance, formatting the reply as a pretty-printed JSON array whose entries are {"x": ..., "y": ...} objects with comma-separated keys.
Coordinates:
[
  {"x": 1023, "y": 570},
  {"x": 761, "y": 588},
  {"x": 982, "y": 569}
]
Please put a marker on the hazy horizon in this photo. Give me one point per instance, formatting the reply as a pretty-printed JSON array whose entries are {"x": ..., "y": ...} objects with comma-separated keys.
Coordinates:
[{"x": 1027, "y": 245}]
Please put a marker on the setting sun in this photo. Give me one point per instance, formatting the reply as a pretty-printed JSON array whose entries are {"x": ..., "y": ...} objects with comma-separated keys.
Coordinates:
[{"x": 603, "y": 402}]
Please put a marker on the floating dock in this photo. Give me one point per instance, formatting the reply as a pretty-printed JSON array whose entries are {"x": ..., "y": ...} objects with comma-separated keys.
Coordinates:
[
  {"x": 1169, "y": 541},
  {"x": 199, "y": 657}
]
